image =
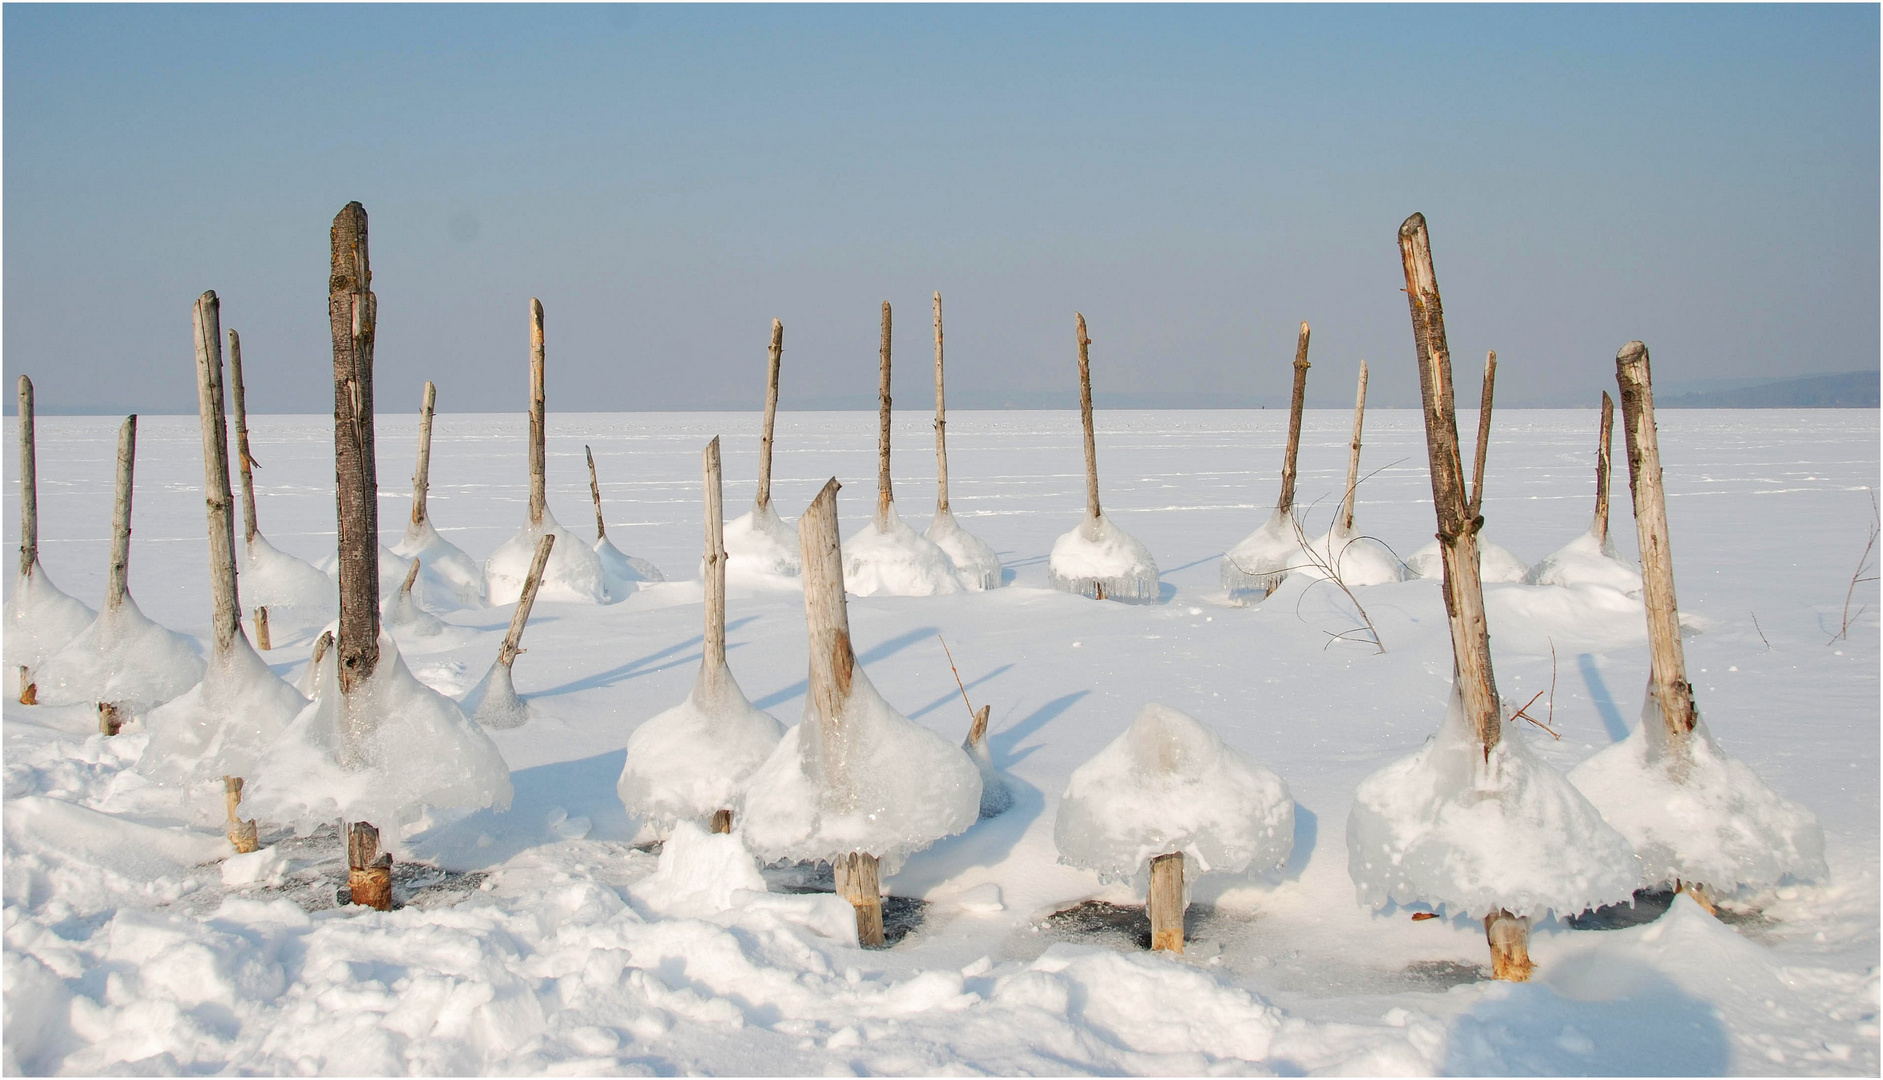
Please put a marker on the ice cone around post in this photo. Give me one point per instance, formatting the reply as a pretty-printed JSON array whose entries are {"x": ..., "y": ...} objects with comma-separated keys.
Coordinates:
[
  {"x": 622, "y": 572},
  {"x": 450, "y": 574},
  {"x": 40, "y": 620},
  {"x": 1591, "y": 558},
  {"x": 493, "y": 703},
  {"x": 1262, "y": 559},
  {"x": 1339, "y": 553},
  {"x": 759, "y": 545},
  {"x": 1098, "y": 559},
  {"x": 1494, "y": 563},
  {"x": 975, "y": 562}
]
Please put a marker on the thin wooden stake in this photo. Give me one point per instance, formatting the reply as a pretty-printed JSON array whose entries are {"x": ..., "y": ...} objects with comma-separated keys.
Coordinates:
[
  {"x": 369, "y": 871},
  {"x": 1600, "y": 525},
  {"x": 776, "y": 357},
  {"x": 118, "y": 577},
  {"x": 226, "y": 612},
  {"x": 595, "y": 493},
  {"x": 1667, "y": 673},
  {"x": 1085, "y": 417},
  {"x": 513, "y": 638},
  {"x": 539, "y": 498},
  {"x": 714, "y": 565},
  {"x": 1164, "y": 904},
  {"x": 1287, "y": 501},
  {"x": 110, "y": 717},
  {"x": 1353, "y": 452},
  {"x": 238, "y": 394},
  {"x": 1484, "y": 434},
  {"x": 411, "y": 575},
  {"x": 422, "y": 475},
  {"x": 242, "y": 834},
  {"x": 941, "y": 420},
  {"x": 29, "y": 482},
  {"x": 262, "y": 640},
  {"x": 884, "y": 494},
  {"x": 352, "y": 315}
]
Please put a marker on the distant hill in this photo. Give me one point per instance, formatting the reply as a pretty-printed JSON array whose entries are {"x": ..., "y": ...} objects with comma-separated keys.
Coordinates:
[{"x": 1850, "y": 390}]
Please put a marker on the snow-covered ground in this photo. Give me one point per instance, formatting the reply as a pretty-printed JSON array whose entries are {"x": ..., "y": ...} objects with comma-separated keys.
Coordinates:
[{"x": 555, "y": 946}]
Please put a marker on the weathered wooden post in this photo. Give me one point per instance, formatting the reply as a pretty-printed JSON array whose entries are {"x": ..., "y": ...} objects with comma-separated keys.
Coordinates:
[
  {"x": 941, "y": 420},
  {"x": 369, "y": 870},
  {"x": 1286, "y": 503},
  {"x": 1164, "y": 903},
  {"x": 539, "y": 499},
  {"x": 513, "y": 638},
  {"x": 1484, "y": 435},
  {"x": 239, "y": 398},
  {"x": 1085, "y": 417},
  {"x": 422, "y": 475},
  {"x": 1353, "y": 452},
  {"x": 29, "y": 517},
  {"x": 118, "y": 576},
  {"x": 713, "y": 564},
  {"x": 595, "y": 492},
  {"x": 242, "y": 834},
  {"x": 1458, "y": 526},
  {"x": 110, "y": 717},
  {"x": 226, "y": 611},
  {"x": 833, "y": 663},
  {"x": 775, "y": 358},
  {"x": 884, "y": 494},
  {"x": 1599, "y": 526}
]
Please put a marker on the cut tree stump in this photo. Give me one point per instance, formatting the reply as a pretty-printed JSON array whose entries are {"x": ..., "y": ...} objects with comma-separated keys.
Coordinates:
[
  {"x": 118, "y": 576},
  {"x": 226, "y": 607},
  {"x": 1604, "y": 440},
  {"x": 238, "y": 396},
  {"x": 1353, "y": 452},
  {"x": 422, "y": 474},
  {"x": 369, "y": 870},
  {"x": 539, "y": 498},
  {"x": 859, "y": 882},
  {"x": 513, "y": 638},
  {"x": 884, "y": 492},
  {"x": 722, "y": 821},
  {"x": 29, "y": 482},
  {"x": 111, "y": 716},
  {"x": 1164, "y": 904},
  {"x": 29, "y": 690},
  {"x": 1509, "y": 937},
  {"x": 241, "y": 833},
  {"x": 262, "y": 641},
  {"x": 775, "y": 359}
]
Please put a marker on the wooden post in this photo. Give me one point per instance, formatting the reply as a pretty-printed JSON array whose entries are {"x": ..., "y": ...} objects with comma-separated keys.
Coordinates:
[
  {"x": 110, "y": 717},
  {"x": 833, "y": 666},
  {"x": 422, "y": 476},
  {"x": 1667, "y": 676},
  {"x": 369, "y": 871},
  {"x": 977, "y": 730},
  {"x": 595, "y": 493},
  {"x": 1164, "y": 903},
  {"x": 411, "y": 575},
  {"x": 941, "y": 420},
  {"x": 1085, "y": 417},
  {"x": 1606, "y": 439},
  {"x": 241, "y": 833},
  {"x": 1484, "y": 434},
  {"x": 352, "y": 315},
  {"x": 321, "y": 645},
  {"x": 884, "y": 495},
  {"x": 1509, "y": 937},
  {"x": 776, "y": 354},
  {"x": 1353, "y": 452},
  {"x": 262, "y": 640},
  {"x": 513, "y": 638},
  {"x": 226, "y": 613},
  {"x": 539, "y": 499},
  {"x": 29, "y": 690},
  {"x": 29, "y": 483},
  {"x": 118, "y": 577},
  {"x": 1457, "y": 527},
  {"x": 238, "y": 393},
  {"x": 1287, "y": 502},
  {"x": 714, "y": 648}
]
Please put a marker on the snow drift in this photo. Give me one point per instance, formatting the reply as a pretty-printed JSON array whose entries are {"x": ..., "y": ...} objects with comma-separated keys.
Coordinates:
[
  {"x": 224, "y": 724},
  {"x": 1264, "y": 557},
  {"x": 573, "y": 574},
  {"x": 40, "y": 620},
  {"x": 975, "y": 562},
  {"x": 121, "y": 657},
  {"x": 694, "y": 759},
  {"x": 1587, "y": 560},
  {"x": 1495, "y": 565},
  {"x": 1098, "y": 552},
  {"x": 888, "y": 558},
  {"x": 760, "y": 546},
  {"x": 456, "y": 576}
]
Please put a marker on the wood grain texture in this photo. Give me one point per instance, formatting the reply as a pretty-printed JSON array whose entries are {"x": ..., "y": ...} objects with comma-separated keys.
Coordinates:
[
  {"x": 225, "y": 604},
  {"x": 352, "y": 312},
  {"x": 1667, "y": 676}
]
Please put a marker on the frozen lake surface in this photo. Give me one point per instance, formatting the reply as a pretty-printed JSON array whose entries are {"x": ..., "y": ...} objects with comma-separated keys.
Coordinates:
[{"x": 128, "y": 949}]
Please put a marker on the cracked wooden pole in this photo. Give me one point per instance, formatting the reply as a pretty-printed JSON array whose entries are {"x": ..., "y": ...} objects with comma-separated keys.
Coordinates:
[
  {"x": 352, "y": 317},
  {"x": 422, "y": 475},
  {"x": 1599, "y": 526},
  {"x": 238, "y": 394},
  {"x": 539, "y": 498},
  {"x": 1286, "y": 503},
  {"x": 713, "y": 565},
  {"x": 242, "y": 834},
  {"x": 595, "y": 493},
  {"x": 833, "y": 666},
  {"x": 1353, "y": 452},
  {"x": 1507, "y": 934},
  {"x": 775, "y": 358},
  {"x": 941, "y": 420},
  {"x": 1164, "y": 903},
  {"x": 225, "y": 621},
  {"x": 1484, "y": 435},
  {"x": 1085, "y": 417},
  {"x": 1667, "y": 675},
  {"x": 513, "y": 638},
  {"x": 118, "y": 575},
  {"x": 884, "y": 493},
  {"x": 110, "y": 717},
  {"x": 29, "y": 517},
  {"x": 369, "y": 871}
]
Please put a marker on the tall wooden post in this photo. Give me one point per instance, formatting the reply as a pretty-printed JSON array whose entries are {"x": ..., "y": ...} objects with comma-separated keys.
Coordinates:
[
  {"x": 1287, "y": 502},
  {"x": 1164, "y": 902},
  {"x": 776, "y": 357},
  {"x": 29, "y": 482},
  {"x": 595, "y": 493},
  {"x": 941, "y": 420},
  {"x": 1085, "y": 417},
  {"x": 714, "y": 564},
  {"x": 352, "y": 316},
  {"x": 1603, "y": 441},
  {"x": 118, "y": 577},
  {"x": 1353, "y": 452},
  {"x": 1458, "y": 528},
  {"x": 1668, "y": 669},
  {"x": 1484, "y": 434},
  {"x": 833, "y": 666},
  {"x": 422, "y": 475},
  {"x": 884, "y": 494},
  {"x": 238, "y": 394},
  {"x": 226, "y": 613},
  {"x": 539, "y": 499},
  {"x": 520, "y": 618}
]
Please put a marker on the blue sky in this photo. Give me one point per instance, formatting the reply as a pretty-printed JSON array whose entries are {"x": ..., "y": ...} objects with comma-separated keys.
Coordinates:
[{"x": 1196, "y": 180}]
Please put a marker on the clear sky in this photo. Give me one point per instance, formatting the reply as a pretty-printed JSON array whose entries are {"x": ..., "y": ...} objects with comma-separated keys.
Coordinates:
[{"x": 1196, "y": 180}]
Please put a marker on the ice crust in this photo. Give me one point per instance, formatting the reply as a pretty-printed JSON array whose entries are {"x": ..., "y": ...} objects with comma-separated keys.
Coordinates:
[
  {"x": 121, "y": 657},
  {"x": 1356, "y": 560},
  {"x": 1169, "y": 784},
  {"x": 621, "y": 573},
  {"x": 761, "y": 547},
  {"x": 974, "y": 562},
  {"x": 1098, "y": 552},
  {"x": 889, "y": 787},
  {"x": 40, "y": 620},
  {"x": 1265, "y": 556},
  {"x": 573, "y": 573},
  {"x": 493, "y": 702},
  {"x": 420, "y": 752},
  {"x": 888, "y": 558},
  {"x": 1495, "y": 565},
  {"x": 1587, "y": 560},
  {"x": 1447, "y": 828},
  {"x": 695, "y": 758},
  {"x": 1719, "y": 826},
  {"x": 224, "y": 724},
  {"x": 453, "y": 575}
]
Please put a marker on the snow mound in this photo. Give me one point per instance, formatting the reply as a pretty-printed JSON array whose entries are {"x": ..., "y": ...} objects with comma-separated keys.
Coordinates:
[
  {"x": 493, "y": 702},
  {"x": 1099, "y": 553},
  {"x": 402, "y": 616},
  {"x": 760, "y": 546},
  {"x": 1447, "y": 827},
  {"x": 573, "y": 573},
  {"x": 1264, "y": 557},
  {"x": 1719, "y": 825},
  {"x": 1495, "y": 565},
  {"x": 699, "y": 874},
  {"x": 622, "y": 573},
  {"x": 1355, "y": 560},
  {"x": 40, "y": 620},
  {"x": 1585, "y": 618},
  {"x": 996, "y": 799},
  {"x": 1587, "y": 560},
  {"x": 392, "y": 570},
  {"x": 121, "y": 657},
  {"x": 298, "y": 595},
  {"x": 455, "y": 574},
  {"x": 889, "y": 787},
  {"x": 223, "y": 724},
  {"x": 419, "y": 751},
  {"x": 50, "y": 841},
  {"x": 888, "y": 558},
  {"x": 694, "y": 759},
  {"x": 975, "y": 562},
  {"x": 1169, "y": 784}
]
